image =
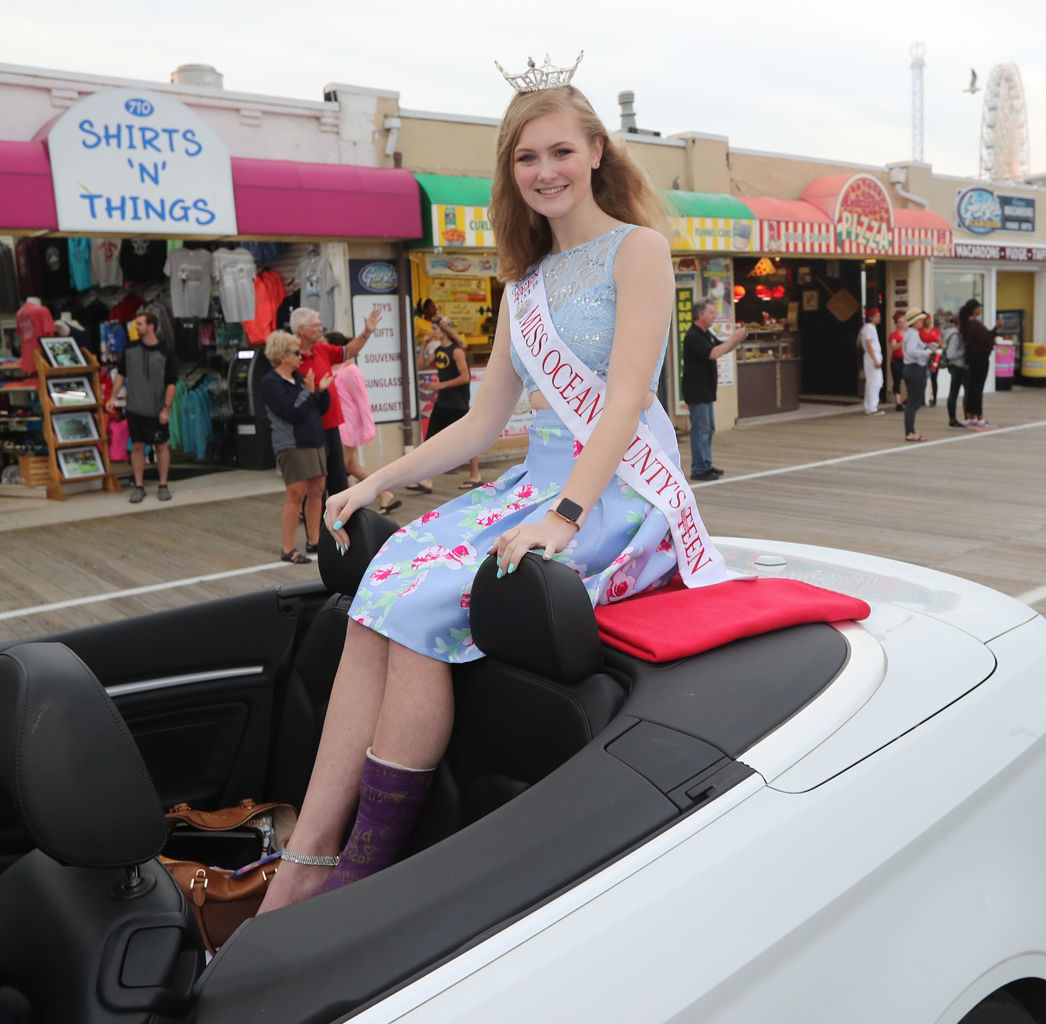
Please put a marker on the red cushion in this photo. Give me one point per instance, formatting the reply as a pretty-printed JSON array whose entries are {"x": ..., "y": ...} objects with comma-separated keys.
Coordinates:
[{"x": 675, "y": 622}]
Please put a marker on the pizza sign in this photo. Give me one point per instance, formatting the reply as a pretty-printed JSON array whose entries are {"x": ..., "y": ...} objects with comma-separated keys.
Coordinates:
[{"x": 864, "y": 217}]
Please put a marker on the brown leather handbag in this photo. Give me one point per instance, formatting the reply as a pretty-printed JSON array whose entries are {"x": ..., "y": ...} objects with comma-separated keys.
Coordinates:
[{"x": 220, "y": 900}]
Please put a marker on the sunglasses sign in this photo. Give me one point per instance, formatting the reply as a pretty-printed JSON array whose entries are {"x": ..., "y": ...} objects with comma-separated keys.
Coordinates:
[{"x": 133, "y": 161}]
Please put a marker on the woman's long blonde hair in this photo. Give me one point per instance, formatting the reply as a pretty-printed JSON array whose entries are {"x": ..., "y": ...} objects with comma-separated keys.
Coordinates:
[{"x": 620, "y": 186}]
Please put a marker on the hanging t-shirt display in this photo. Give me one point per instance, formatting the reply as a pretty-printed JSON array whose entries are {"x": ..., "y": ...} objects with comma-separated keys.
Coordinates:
[
  {"x": 80, "y": 263},
  {"x": 190, "y": 274},
  {"x": 317, "y": 282},
  {"x": 8, "y": 279},
  {"x": 105, "y": 262},
  {"x": 269, "y": 292},
  {"x": 30, "y": 267},
  {"x": 233, "y": 269},
  {"x": 55, "y": 252},
  {"x": 141, "y": 259},
  {"x": 33, "y": 322}
]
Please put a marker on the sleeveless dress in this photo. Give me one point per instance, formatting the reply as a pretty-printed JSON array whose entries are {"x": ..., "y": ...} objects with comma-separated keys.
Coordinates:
[{"x": 417, "y": 588}]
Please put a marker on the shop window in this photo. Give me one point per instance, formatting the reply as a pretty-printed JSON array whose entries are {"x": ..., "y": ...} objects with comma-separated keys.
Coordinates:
[{"x": 951, "y": 288}]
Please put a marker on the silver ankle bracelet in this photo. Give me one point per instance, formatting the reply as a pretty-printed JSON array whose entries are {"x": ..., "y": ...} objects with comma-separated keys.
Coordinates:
[{"x": 309, "y": 859}]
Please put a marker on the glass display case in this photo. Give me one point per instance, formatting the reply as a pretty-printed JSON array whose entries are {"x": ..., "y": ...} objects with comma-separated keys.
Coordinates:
[{"x": 769, "y": 371}]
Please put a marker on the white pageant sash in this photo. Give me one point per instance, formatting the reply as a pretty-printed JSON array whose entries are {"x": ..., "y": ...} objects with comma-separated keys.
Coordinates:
[{"x": 577, "y": 395}]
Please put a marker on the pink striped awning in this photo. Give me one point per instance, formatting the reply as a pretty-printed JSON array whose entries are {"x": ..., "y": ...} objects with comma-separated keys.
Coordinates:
[{"x": 791, "y": 225}]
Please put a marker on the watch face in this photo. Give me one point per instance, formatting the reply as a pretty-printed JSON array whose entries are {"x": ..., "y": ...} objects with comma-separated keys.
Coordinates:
[{"x": 569, "y": 510}]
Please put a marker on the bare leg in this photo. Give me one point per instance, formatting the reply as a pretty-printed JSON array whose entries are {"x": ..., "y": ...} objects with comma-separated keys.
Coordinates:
[
  {"x": 474, "y": 476},
  {"x": 163, "y": 461},
  {"x": 138, "y": 462},
  {"x": 348, "y": 729},
  {"x": 294, "y": 495},
  {"x": 356, "y": 468},
  {"x": 314, "y": 508}
]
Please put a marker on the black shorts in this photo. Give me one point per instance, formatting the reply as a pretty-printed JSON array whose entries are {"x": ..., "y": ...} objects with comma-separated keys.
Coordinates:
[
  {"x": 442, "y": 417},
  {"x": 147, "y": 429}
]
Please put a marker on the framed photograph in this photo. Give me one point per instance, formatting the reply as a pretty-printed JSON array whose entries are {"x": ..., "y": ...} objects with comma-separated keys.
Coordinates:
[
  {"x": 811, "y": 301},
  {"x": 76, "y": 463},
  {"x": 69, "y": 391},
  {"x": 62, "y": 352},
  {"x": 74, "y": 426}
]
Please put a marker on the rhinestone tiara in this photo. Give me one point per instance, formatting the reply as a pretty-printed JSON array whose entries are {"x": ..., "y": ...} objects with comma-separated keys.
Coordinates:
[{"x": 545, "y": 77}]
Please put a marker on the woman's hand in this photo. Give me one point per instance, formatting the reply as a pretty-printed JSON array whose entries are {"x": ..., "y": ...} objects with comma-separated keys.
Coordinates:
[
  {"x": 310, "y": 381},
  {"x": 551, "y": 535},
  {"x": 339, "y": 510},
  {"x": 328, "y": 379}
]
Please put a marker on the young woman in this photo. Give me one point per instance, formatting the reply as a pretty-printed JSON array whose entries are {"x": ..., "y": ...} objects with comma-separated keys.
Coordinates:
[
  {"x": 445, "y": 350},
  {"x": 979, "y": 342},
  {"x": 567, "y": 198},
  {"x": 357, "y": 427},
  {"x": 896, "y": 358},
  {"x": 295, "y": 406}
]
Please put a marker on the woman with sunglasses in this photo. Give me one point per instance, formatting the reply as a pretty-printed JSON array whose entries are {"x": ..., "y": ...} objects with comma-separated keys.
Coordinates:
[{"x": 295, "y": 406}]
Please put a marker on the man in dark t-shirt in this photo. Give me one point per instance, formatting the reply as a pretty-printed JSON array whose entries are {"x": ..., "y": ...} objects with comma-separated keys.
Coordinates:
[
  {"x": 700, "y": 351},
  {"x": 151, "y": 373}
]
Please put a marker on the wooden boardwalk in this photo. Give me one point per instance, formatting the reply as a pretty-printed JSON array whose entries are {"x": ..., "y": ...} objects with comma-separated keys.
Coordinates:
[{"x": 973, "y": 504}]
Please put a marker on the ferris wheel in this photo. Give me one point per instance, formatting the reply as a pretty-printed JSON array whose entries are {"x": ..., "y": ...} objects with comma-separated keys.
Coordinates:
[{"x": 1004, "y": 126}]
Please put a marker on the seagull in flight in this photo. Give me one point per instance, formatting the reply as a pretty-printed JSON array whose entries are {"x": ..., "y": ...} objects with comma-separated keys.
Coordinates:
[{"x": 973, "y": 87}]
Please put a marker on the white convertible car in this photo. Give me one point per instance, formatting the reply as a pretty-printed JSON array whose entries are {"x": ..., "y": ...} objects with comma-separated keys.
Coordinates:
[{"x": 829, "y": 823}]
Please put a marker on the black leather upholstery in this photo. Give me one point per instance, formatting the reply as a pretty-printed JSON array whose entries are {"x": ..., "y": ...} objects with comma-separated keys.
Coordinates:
[
  {"x": 367, "y": 530},
  {"x": 69, "y": 765},
  {"x": 539, "y": 618}
]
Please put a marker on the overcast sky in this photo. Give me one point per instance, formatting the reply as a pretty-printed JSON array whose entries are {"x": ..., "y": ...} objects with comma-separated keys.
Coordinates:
[{"x": 816, "y": 78}]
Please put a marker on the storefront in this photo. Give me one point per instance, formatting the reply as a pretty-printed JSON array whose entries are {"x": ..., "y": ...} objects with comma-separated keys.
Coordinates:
[
  {"x": 130, "y": 201},
  {"x": 999, "y": 258},
  {"x": 454, "y": 264}
]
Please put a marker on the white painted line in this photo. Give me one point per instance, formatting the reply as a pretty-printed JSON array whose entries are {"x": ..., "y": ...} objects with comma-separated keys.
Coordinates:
[
  {"x": 908, "y": 447},
  {"x": 152, "y": 588},
  {"x": 1033, "y": 596}
]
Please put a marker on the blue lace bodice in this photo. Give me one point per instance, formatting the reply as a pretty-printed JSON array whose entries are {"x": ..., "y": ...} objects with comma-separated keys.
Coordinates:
[{"x": 582, "y": 299}]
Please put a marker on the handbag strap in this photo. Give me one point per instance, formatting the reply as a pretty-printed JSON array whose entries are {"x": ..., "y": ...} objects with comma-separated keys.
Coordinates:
[{"x": 220, "y": 820}]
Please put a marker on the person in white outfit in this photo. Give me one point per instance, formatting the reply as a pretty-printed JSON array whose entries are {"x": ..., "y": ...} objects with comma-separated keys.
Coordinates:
[{"x": 872, "y": 354}]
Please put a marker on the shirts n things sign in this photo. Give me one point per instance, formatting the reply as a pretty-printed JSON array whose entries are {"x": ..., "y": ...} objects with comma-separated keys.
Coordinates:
[{"x": 137, "y": 162}]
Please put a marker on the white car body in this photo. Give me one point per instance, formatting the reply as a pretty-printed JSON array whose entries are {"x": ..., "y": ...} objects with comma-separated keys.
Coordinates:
[{"x": 885, "y": 863}]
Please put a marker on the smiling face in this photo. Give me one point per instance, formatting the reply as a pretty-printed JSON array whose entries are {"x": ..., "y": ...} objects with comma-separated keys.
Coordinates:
[
  {"x": 552, "y": 163},
  {"x": 310, "y": 332}
]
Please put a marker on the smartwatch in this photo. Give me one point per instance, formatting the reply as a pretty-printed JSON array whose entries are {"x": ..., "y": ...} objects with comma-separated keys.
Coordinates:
[{"x": 570, "y": 511}]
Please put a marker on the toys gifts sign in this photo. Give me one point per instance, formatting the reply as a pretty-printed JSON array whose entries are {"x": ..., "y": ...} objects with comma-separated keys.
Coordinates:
[{"x": 129, "y": 161}]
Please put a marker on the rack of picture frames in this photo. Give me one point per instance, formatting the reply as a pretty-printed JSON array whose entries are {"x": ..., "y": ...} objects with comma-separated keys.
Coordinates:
[{"x": 70, "y": 401}]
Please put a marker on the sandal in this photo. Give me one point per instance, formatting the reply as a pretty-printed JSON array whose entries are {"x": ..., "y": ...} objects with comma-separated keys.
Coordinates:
[
  {"x": 418, "y": 487},
  {"x": 469, "y": 485},
  {"x": 312, "y": 549},
  {"x": 390, "y": 507},
  {"x": 915, "y": 437},
  {"x": 295, "y": 557}
]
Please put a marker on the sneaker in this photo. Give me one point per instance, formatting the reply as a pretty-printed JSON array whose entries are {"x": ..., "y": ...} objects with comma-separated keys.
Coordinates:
[
  {"x": 137, "y": 495},
  {"x": 956, "y": 423},
  {"x": 877, "y": 412},
  {"x": 704, "y": 477},
  {"x": 163, "y": 492},
  {"x": 716, "y": 470}
]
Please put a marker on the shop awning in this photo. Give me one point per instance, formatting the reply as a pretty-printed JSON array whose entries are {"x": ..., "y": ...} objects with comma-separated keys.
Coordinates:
[
  {"x": 283, "y": 198},
  {"x": 274, "y": 198},
  {"x": 709, "y": 222},
  {"x": 922, "y": 233},
  {"x": 26, "y": 193},
  {"x": 706, "y": 204},
  {"x": 791, "y": 225},
  {"x": 454, "y": 212}
]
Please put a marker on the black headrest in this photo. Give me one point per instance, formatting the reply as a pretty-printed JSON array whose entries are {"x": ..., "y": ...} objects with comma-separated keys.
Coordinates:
[
  {"x": 70, "y": 765},
  {"x": 540, "y": 618},
  {"x": 367, "y": 530}
]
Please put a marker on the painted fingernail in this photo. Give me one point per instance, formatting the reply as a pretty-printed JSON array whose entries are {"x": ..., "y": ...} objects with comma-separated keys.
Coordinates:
[
  {"x": 511, "y": 567},
  {"x": 500, "y": 574},
  {"x": 337, "y": 525}
]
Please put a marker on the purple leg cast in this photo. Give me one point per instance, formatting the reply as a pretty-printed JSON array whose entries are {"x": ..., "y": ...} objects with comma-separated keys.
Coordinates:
[{"x": 391, "y": 797}]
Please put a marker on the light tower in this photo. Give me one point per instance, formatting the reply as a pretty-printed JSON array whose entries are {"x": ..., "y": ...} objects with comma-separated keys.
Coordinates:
[
  {"x": 917, "y": 53},
  {"x": 1004, "y": 126}
]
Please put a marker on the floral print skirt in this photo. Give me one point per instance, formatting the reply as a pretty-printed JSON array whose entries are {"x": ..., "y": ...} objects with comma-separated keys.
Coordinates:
[{"x": 417, "y": 589}]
